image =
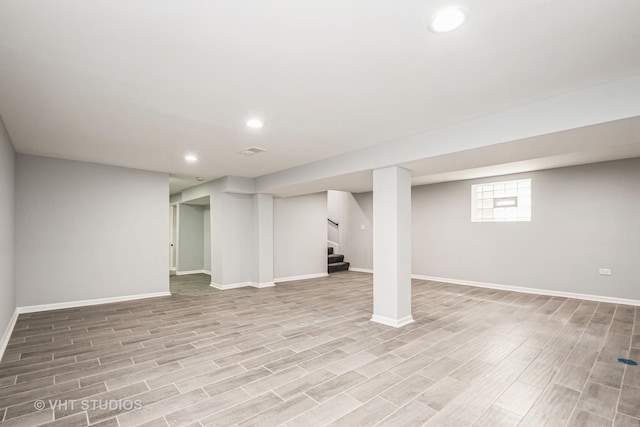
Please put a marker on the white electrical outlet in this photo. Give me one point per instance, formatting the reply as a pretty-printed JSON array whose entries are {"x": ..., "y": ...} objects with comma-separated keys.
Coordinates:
[
  {"x": 362, "y": 227},
  {"x": 605, "y": 271}
]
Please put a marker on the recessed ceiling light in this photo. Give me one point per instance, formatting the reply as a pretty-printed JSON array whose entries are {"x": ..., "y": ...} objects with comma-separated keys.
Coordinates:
[
  {"x": 448, "y": 19},
  {"x": 190, "y": 158},
  {"x": 255, "y": 123}
]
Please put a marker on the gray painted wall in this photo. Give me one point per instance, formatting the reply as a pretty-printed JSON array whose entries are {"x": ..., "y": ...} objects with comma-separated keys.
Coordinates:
[
  {"x": 300, "y": 235},
  {"x": 87, "y": 231},
  {"x": 234, "y": 233},
  {"x": 237, "y": 252},
  {"x": 262, "y": 265},
  {"x": 217, "y": 237},
  {"x": 7, "y": 230},
  {"x": 360, "y": 212},
  {"x": 190, "y": 238},
  {"x": 231, "y": 238},
  {"x": 206, "y": 217},
  {"x": 338, "y": 204},
  {"x": 584, "y": 218}
]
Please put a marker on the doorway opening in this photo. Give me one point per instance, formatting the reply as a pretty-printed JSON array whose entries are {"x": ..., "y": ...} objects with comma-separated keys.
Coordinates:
[{"x": 192, "y": 241}]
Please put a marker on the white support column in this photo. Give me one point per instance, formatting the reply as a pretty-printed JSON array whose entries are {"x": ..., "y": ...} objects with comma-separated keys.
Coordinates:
[
  {"x": 392, "y": 246},
  {"x": 263, "y": 211}
]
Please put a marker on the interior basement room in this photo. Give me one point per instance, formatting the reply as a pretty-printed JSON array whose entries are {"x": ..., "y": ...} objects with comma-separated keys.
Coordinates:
[{"x": 337, "y": 213}]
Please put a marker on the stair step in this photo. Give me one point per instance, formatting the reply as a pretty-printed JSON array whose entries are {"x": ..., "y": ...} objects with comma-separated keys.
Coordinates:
[
  {"x": 329, "y": 250},
  {"x": 338, "y": 266},
  {"x": 333, "y": 258}
]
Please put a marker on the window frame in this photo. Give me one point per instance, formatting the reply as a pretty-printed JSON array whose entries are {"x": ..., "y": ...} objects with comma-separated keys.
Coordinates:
[{"x": 522, "y": 196}]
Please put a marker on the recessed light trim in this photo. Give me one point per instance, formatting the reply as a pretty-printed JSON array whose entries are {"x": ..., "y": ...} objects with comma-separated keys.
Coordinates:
[
  {"x": 191, "y": 158},
  {"x": 448, "y": 19},
  {"x": 252, "y": 150},
  {"x": 255, "y": 123}
]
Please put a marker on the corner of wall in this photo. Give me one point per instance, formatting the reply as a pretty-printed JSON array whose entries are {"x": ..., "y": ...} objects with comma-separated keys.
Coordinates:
[
  {"x": 4, "y": 339},
  {"x": 8, "y": 291}
]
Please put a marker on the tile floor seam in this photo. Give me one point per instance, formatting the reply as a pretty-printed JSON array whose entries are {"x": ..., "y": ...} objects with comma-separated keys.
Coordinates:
[
  {"x": 624, "y": 370},
  {"x": 575, "y": 406},
  {"x": 305, "y": 393},
  {"x": 380, "y": 397}
]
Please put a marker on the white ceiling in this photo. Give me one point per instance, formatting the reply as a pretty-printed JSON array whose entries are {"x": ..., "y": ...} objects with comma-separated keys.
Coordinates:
[{"x": 140, "y": 84}]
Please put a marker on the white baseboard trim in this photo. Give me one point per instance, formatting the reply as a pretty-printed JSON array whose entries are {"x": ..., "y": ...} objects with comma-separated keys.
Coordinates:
[
  {"x": 361, "y": 270},
  {"x": 264, "y": 285},
  {"x": 303, "y": 277},
  {"x": 388, "y": 321},
  {"x": 184, "y": 273},
  {"x": 547, "y": 292},
  {"x": 7, "y": 333},
  {"x": 230, "y": 286},
  {"x": 241, "y": 285},
  {"x": 84, "y": 303}
]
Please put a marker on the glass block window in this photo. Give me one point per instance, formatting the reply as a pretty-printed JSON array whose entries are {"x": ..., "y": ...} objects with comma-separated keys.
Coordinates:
[{"x": 501, "y": 201}]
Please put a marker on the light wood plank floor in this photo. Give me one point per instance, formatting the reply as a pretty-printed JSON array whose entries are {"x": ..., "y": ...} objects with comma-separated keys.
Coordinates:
[{"x": 305, "y": 353}]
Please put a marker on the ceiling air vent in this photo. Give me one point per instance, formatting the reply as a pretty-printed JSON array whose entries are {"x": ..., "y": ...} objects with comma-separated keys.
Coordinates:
[{"x": 252, "y": 150}]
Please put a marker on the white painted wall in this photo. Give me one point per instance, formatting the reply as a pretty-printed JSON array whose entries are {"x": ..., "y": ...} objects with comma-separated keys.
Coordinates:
[
  {"x": 584, "y": 218},
  {"x": 7, "y": 231},
  {"x": 87, "y": 231},
  {"x": 300, "y": 235},
  {"x": 392, "y": 246},
  {"x": 190, "y": 238}
]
